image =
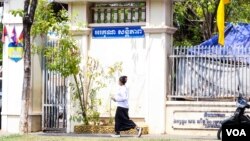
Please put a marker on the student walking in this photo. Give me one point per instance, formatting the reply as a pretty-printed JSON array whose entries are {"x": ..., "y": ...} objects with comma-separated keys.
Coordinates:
[{"x": 122, "y": 121}]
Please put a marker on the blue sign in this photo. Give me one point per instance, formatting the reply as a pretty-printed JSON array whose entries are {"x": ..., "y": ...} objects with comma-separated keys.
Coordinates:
[{"x": 118, "y": 32}]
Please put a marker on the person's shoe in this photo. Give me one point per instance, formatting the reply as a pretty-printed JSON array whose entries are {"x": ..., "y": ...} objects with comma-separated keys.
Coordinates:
[
  {"x": 139, "y": 131},
  {"x": 116, "y": 136}
]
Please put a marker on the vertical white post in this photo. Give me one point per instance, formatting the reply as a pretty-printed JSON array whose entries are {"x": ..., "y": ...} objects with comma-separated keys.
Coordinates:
[
  {"x": 158, "y": 42},
  {"x": 81, "y": 34},
  {"x": 12, "y": 72}
]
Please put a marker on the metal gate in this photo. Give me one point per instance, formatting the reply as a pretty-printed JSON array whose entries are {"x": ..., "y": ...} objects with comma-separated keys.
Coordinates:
[{"x": 54, "y": 100}]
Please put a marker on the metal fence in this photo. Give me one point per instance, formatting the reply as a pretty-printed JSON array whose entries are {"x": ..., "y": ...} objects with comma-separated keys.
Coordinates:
[
  {"x": 54, "y": 98},
  {"x": 209, "y": 73}
]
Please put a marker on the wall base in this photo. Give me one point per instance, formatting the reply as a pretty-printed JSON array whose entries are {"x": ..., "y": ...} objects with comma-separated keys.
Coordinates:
[
  {"x": 196, "y": 118},
  {"x": 36, "y": 123},
  {"x": 10, "y": 123}
]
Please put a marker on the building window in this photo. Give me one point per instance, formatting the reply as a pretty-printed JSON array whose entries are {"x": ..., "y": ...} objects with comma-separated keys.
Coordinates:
[{"x": 118, "y": 12}]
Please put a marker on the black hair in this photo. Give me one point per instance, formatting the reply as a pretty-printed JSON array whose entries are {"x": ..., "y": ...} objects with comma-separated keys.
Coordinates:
[{"x": 123, "y": 79}]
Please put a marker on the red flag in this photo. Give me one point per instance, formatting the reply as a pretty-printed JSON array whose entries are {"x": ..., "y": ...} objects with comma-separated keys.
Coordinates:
[
  {"x": 5, "y": 33},
  {"x": 20, "y": 38}
]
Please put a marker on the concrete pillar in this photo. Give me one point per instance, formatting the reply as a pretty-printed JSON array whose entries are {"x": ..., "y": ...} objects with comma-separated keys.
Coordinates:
[
  {"x": 78, "y": 11},
  {"x": 13, "y": 79},
  {"x": 37, "y": 66},
  {"x": 12, "y": 73},
  {"x": 158, "y": 32}
]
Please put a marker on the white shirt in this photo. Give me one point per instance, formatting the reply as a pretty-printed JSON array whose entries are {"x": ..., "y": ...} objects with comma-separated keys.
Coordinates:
[{"x": 122, "y": 97}]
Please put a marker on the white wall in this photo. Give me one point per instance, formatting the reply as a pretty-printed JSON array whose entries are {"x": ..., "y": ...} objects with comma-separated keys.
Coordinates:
[
  {"x": 144, "y": 62},
  {"x": 132, "y": 53}
]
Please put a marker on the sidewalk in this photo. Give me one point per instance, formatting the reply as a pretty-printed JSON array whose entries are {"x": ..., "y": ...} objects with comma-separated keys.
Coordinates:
[{"x": 154, "y": 137}]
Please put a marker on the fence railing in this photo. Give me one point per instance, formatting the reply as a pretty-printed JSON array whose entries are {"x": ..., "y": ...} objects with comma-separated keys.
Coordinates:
[
  {"x": 119, "y": 12},
  {"x": 209, "y": 73}
]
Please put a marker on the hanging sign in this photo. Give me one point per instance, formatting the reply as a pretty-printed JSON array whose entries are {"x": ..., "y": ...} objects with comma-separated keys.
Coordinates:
[
  {"x": 118, "y": 32},
  {"x": 15, "y": 51},
  {"x": 15, "y": 47}
]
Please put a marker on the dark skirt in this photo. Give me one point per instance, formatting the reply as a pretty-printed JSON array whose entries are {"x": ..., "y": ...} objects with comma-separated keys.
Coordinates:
[{"x": 122, "y": 121}]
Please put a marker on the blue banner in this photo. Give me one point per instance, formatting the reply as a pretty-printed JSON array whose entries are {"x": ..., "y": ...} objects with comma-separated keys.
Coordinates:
[{"x": 118, "y": 32}]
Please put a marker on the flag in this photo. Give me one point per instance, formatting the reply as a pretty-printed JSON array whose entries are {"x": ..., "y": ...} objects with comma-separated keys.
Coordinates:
[
  {"x": 15, "y": 47},
  {"x": 221, "y": 20},
  {"x": 13, "y": 35},
  {"x": 20, "y": 38},
  {"x": 5, "y": 33}
]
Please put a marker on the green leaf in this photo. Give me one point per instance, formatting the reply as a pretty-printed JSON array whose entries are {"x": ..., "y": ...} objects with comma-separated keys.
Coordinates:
[{"x": 17, "y": 12}]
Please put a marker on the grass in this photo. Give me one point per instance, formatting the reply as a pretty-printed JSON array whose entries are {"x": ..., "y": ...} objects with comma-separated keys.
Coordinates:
[
  {"x": 62, "y": 138},
  {"x": 80, "y": 137}
]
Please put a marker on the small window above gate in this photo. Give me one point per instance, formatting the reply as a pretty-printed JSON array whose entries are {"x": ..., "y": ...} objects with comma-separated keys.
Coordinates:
[{"x": 118, "y": 12}]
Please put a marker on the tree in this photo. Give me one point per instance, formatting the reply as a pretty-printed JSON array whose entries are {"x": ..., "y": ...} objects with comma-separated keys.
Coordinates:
[
  {"x": 28, "y": 18},
  {"x": 39, "y": 18},
  {"x": 196, "y": 19}
]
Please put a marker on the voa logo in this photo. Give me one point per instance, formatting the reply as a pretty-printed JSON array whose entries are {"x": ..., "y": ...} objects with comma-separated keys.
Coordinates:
[{"x": 236, "y": 132}]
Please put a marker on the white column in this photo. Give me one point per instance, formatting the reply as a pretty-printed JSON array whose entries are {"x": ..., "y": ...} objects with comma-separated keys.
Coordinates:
[
  {"x": 82, "y": 37},
  {"x": 12, "y": 73},
  {"x": 158, "y": 42},
  {"x": 81, "y": 34}
]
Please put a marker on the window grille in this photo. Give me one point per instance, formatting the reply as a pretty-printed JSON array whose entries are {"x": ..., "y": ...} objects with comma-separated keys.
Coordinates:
[{"x": 118, "y": 12}]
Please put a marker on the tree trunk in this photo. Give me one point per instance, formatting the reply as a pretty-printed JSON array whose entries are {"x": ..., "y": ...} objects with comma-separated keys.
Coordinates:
[
  {"x": 29, "y": 12},
  {"x": 26, "y": 82},
  {"x": 209, "y": 21},
  {"x": 83, "y": 107}
]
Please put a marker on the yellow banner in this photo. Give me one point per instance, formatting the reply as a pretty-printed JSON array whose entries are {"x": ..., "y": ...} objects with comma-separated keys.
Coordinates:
[
  {"x": 15, "y": 53},
  {"x": 221, "y": 21}
]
